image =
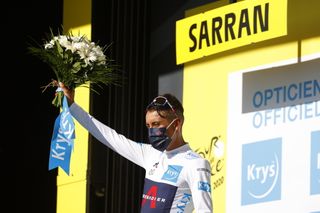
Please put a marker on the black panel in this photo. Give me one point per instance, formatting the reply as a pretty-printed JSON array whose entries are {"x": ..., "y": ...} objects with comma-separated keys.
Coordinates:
[
  {"x": 115, "y": 184},
  {"x": 27, "y": 113}
]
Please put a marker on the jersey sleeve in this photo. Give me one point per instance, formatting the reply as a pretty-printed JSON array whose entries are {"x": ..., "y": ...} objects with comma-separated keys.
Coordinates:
[
  {"x": 199, "y": 180},
  {"x": 129, "y": 149}
]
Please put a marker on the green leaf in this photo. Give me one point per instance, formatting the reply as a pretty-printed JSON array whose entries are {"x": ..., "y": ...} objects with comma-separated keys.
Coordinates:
[
  {"x": 59, "y": 49},
  {"x": 76, "y": 67}
]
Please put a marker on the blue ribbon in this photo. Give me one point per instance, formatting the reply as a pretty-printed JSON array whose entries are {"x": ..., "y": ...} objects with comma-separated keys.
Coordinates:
[{"x": 62, "y": 139}]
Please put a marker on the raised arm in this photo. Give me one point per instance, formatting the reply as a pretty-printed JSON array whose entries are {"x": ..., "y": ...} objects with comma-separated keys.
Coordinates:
[{"x": 129, "y": 149}]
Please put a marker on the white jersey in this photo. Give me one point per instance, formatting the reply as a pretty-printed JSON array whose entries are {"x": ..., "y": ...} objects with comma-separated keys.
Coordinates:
[{"x": 175, "y": 181}]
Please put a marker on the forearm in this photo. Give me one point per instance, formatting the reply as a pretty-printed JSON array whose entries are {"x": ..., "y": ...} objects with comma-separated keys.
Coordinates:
[{"x": 127, "y": 148}]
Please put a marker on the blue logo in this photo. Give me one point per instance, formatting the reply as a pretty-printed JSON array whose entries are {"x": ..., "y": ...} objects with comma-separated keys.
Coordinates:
[
  {"x": 62, "y": 140},
  {"x": 191, "y": 156},
  {"x": 204, "y": 186},
  {"x": 172, "y": 173},
  {"x": 261, "y": 171},
  {"x": 315, "y": 163},
  {"x": 184, "y": 201}
]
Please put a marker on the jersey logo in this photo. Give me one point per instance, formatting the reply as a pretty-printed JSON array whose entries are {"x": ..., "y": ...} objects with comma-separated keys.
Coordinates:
[
  {"x": 157, "y": 197},
  {"x": 151, "y": 195},
  {"x": 172, "y": 173},
  {"x": 151, "y": 172},
  {"x": 184, "y": 201},
  {"x": 191, "y": 156},
  {"x": 204, "y": 186}
]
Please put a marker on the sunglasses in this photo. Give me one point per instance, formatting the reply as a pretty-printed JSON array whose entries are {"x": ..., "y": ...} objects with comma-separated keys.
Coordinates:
[{"x": 161, "y": 102}]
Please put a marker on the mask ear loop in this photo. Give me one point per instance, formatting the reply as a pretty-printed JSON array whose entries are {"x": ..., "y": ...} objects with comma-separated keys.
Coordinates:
[
  {"x": 177, "y": 125},
  {"x": 171, "y": 123},
  {"x": 175, "y": 128}
]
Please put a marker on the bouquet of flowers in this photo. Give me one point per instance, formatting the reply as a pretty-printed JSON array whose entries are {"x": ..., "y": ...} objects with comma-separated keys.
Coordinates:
[{"x": 75, "y": 61}]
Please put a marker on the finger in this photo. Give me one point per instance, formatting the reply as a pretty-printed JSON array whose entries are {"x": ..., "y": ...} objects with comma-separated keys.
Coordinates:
[
  {"x": 62, "y": 85},
  {"x": 55, "y": 83}
]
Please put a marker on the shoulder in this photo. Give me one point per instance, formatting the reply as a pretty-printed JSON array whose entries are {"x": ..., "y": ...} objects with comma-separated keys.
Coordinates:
[
  {"x": 196, "y": 161},
  {"x": 196, "y": 167}
]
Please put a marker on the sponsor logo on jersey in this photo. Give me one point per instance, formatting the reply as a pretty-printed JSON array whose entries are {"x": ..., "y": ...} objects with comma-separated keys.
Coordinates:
[
  {"x": 172, "y": 173},
  {"x": 204, "y": 170},
  {"x": 315, "y": 163},
  {"x": 151, "y": 196},
  {"x": 183, "y": 202},
  {"x": 204, "y": 186},
  {"x": 157, "y": 197},
  {"x": 151, "y": 171},
  {"x": 191, "y": 155},
  {"x": 261, "y": 171}
]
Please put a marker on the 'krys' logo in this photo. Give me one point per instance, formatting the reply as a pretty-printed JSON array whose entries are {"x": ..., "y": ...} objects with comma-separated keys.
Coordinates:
[
  {"x": 172, "y": 173},
  {"x": 261, "y": 171}
]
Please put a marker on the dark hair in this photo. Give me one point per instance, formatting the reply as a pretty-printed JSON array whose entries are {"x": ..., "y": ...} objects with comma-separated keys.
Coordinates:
[{"x": 166, "y": 111}]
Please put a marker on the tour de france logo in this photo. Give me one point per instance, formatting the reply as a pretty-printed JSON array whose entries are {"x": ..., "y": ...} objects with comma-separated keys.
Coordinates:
[{"x": 261, "y": 171}]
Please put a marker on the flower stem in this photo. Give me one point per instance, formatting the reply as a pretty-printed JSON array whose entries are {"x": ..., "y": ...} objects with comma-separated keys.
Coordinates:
[
  {"x": 45, "y": 87},
  {"x": 57, "y": 101}
]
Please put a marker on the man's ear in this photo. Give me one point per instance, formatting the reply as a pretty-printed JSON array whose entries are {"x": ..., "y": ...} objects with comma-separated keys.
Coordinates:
[{"x": 178, "y": 123}]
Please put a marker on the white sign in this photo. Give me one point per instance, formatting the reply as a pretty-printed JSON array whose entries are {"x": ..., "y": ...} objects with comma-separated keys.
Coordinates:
[{"x": 274, "y": 140}]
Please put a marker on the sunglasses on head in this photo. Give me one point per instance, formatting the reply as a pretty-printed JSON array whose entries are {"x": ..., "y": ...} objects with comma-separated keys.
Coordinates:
[{"x": 161, "y": 102}]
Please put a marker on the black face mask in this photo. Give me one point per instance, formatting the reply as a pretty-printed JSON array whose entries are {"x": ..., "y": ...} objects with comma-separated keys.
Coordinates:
[{"x": 158, "y": 137}]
